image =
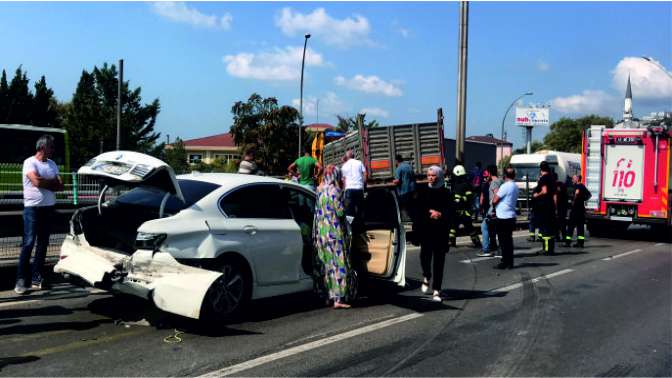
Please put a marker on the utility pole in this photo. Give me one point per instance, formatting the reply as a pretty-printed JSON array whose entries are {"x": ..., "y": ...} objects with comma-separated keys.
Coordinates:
[
  {"x": 121, "y": 80},
  {"x": 462, "y": 81},
  {"x": 303, "y": 61}
]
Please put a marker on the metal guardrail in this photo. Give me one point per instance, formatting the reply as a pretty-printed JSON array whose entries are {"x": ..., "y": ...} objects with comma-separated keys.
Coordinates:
[
  {"x": 10, "y": 248},
  {"x": 79, "y": 189}
]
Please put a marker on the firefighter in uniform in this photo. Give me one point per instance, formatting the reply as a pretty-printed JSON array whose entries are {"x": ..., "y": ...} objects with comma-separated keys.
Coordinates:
[
  {"x": 577, "y": 214},
  {"x": 463, "y": 195},
  {"x": 545, "y": 200},
  {"x": 563, "y": 201}
]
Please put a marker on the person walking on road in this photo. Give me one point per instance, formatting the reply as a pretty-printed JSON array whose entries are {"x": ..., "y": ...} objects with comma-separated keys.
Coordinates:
[
  {"x": 545, "y": 200},
  {"x": 476, "y": 176},
  {"x": 462, "y": 200},
  {"x": 405, "y": 182},
  {"x": 40, "y": 182},
  {"x": 354, "y": 175},
  {"x": 488, "y": 226},
  {"x": 577, "y": 213},
  {"x": 308, "y": 169},
  {"x": 563, "y": 201},
  {"x": 505, "y": 210},
  {"x": 434, "y": 213},
  {"x": 329, "y": 237}
]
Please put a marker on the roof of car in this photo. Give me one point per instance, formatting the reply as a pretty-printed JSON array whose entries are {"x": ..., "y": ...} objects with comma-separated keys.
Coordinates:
[{"x": 233, "y": 179}]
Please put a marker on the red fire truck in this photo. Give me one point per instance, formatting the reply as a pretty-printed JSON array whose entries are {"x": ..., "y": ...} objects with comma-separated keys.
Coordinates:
[{"x": 627, "y": 169}]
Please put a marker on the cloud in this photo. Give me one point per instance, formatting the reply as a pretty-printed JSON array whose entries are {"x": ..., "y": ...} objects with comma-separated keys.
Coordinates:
[
  {"x": 369, "y": 84},
  {"x": 329, "y": 105},
  {"x": 375, "y": 112},
  {"x": 404, "y": 32},
  {"x": 180, "y": 12},
  {"x": 648, "y": 80},
  {"x": 589, "y": 101},
  {"x": 543, "y": 66},
  {"x": 343, "y": 33},
  {"x": 275, "y": 65}
]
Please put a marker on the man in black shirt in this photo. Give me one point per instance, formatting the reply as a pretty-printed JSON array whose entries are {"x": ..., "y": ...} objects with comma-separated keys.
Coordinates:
[
  {"x": 577, "y": 214},
  {"x": 545, "y": 200}
]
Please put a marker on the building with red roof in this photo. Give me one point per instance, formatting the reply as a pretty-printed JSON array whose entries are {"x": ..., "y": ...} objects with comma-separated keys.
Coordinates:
[
  {"x": 207, "y": 149},
  {"x": 504, "y": 148}
]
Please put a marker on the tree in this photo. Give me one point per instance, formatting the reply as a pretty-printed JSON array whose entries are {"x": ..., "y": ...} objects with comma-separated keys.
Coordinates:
[
  {"x": 536, "y": 146},
  {"x": 270, "y": 129},
  {"x": 565, "y": 134},
  {"x": 45, "y": 108},
  {"x": 91, "y": 119},
  {"x": 347, "y": 124},
  {"x": 175, "y": 155},
  {"x": 4, "y": 96},
  {"x": 19, "y": 100}
]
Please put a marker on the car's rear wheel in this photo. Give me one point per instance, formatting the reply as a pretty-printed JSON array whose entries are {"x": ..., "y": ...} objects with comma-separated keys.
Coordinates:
[{"x": 230, "y": 293}]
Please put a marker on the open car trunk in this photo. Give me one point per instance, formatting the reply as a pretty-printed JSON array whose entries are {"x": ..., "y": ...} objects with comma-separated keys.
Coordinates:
[
  {"x": 379, "y": 246},
  {"x": 101, "y": 249}
]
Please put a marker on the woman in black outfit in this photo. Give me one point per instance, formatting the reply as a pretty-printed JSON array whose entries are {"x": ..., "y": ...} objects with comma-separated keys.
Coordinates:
[{"x": 433, "y": 215}]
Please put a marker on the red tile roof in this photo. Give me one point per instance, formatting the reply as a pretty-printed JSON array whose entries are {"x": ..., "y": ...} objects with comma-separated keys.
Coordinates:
[
  {"x": 489, "y": 139},
  {"x": 219, "y": 140},
  {"x": 319, "y": 127}
]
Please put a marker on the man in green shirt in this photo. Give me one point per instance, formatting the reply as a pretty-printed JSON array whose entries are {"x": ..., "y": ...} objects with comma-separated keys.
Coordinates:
[{"x": 308, "y": 169}]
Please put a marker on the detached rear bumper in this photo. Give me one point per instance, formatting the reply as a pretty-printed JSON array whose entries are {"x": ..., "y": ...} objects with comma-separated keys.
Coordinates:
[{"x": 156, "y": 276}]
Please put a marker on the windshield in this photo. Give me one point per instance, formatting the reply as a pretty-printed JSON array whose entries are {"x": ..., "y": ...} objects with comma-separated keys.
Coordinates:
[
  {"x": 530, "y": 171},
  {"x": 193, "y": 191}
]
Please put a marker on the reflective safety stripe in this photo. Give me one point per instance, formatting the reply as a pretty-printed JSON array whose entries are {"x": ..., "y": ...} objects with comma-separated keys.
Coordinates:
[
  {"x": 580, "y": 237},
  {"x": 568, "y": 237}
]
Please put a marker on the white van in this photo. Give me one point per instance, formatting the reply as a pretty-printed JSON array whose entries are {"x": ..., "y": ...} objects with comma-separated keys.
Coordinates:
[{"x": 565, "y": 164}]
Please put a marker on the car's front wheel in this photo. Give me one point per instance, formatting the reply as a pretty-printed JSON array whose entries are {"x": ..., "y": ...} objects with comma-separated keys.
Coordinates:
[{"x": 229, "y": 294}]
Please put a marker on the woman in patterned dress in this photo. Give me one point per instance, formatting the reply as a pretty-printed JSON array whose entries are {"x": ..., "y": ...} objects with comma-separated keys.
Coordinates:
[{"x": 329, "y": 236}]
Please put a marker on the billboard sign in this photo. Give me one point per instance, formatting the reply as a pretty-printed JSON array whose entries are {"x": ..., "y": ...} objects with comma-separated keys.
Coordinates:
[{"x": 530, "y": 116}]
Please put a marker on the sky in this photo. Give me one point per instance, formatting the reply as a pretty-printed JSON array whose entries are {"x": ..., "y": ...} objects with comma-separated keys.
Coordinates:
[{"x": 394, "y": 61}]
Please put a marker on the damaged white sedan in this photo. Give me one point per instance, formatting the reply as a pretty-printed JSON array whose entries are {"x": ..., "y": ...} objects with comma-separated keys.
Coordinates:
[{"x": 203, "y": 245}]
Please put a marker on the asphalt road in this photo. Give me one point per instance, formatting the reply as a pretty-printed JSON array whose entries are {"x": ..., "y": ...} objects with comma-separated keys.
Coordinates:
[{"x": 601, "y": 311}]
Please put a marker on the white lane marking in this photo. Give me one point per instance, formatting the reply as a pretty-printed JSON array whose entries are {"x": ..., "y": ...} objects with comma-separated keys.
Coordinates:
[
  {"x": 484, "y": 258},
  {"x": 306, "y": 347},
  {"x": 477, "y": 259},
  {"x": 622, "y": 254},
  {"x": 543, "y": 277}
]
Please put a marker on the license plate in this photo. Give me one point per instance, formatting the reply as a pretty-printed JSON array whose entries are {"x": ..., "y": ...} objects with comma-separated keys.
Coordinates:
[{"x": 624, "y": 219}]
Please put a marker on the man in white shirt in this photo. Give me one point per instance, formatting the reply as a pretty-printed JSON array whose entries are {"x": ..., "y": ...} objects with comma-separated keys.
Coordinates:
[
  {"x": 505, "y": 209},
  {"x": 40, "y": 181},
  {"x": 354, "y": 177}
]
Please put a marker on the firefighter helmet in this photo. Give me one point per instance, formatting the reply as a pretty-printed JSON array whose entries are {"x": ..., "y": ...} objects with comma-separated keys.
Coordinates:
[{"x": 459, "y": 170}]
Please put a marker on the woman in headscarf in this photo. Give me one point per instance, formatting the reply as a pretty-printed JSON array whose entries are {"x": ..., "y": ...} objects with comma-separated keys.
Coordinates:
[
  {"x": 329, "y": 236},
  {"x": 434, "y": 213}
]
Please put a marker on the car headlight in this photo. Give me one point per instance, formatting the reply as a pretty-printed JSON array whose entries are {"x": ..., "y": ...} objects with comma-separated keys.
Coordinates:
[{"x": 146, "y": 240}]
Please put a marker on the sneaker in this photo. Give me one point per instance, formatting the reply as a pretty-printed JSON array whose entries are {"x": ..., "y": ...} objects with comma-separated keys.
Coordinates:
[
  {"x": 424, "y": 288},
  {"x": 20, "y": 287},
  {"x": 436, "y": 296},
  {"x": 484, "y": 254},
  {"x": 40, "y": 285}
]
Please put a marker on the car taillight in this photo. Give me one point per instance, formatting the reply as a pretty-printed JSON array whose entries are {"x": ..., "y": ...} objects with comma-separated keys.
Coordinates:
[{"x": 146, "y": 240}]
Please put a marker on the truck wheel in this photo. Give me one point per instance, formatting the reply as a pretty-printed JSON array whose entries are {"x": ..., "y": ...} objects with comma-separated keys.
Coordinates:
[{"x": 230, "y": 293}]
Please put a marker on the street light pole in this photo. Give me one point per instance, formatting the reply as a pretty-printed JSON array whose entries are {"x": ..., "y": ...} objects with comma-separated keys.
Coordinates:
[
  {"x": 660, "y": 66},
  {"x": 303, "y": 61},
  {"x": 501, "y": 145}
]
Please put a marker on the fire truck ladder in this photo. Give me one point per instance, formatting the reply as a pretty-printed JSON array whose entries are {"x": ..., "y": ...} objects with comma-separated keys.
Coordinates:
[{"x": 594, "y": 165}]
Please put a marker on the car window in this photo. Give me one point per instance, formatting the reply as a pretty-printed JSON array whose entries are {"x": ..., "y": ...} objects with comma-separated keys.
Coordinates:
[
  {"x": 380, "y": 209},
  {"x": 192, "y": 190},
  {"x": 301, "y": 204},
  {"x": 256, "y": 201}
]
